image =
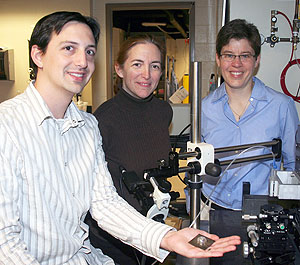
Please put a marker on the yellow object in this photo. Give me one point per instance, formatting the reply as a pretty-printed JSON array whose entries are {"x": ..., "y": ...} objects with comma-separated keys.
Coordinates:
[
  {"x": 175, "y": 222},
  {"x": 186, "y": 86}
]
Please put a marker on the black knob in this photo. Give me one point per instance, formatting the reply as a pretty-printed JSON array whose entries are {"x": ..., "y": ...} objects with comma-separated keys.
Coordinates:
[
  {"x": 213, "y": 169},
  {"x": 164, "y": 185}
]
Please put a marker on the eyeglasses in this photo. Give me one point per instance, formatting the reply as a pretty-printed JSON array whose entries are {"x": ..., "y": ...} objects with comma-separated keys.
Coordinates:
[{"x": 231, "y": 57}]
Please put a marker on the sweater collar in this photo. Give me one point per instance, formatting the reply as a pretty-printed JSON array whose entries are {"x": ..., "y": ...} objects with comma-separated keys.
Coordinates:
[{"x": 128, "y": 102}]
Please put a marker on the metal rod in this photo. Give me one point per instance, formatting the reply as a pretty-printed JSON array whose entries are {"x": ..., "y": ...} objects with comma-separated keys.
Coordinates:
[
  {"x": 296, "y": 16},
  {"x": 245, "y": 146},
  {"x": 184, "y": 169},
  {"x": 187, "y": 154},
  {"x": 195, "y": 136},
  {"x": 196, "y": 102},
  {"x": 195, "y": 201},
  {"x": 246, "y": 159},
  {"x": 285, "y": 40}
]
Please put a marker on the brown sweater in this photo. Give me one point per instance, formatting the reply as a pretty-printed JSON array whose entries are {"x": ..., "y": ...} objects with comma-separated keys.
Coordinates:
[{"x": 135, "y": 135}]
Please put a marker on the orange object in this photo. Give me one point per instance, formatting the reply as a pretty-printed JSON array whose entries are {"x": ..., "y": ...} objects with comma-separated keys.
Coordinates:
[{"x": 186, "y": 86}]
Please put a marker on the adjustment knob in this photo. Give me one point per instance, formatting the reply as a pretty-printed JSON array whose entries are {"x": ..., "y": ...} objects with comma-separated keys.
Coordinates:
[
  {"x": 213, "y": 170},
  {"x": 164, "y": 185}
]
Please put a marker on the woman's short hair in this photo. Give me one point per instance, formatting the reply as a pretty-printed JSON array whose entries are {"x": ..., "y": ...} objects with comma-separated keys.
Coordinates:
[{"x": 239, "y": 29}]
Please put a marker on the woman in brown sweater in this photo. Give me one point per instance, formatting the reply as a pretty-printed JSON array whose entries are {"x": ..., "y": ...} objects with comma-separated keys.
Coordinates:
[{"x": 134, "y": 126}]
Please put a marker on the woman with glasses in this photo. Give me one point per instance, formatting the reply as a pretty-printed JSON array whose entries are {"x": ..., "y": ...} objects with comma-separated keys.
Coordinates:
[{"x": 243, "y": 110}]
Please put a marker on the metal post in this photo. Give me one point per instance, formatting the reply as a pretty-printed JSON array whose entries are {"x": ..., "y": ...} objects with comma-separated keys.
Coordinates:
[
  {"x": 196, "y": 101},
  {"x": 195, "y": 190},
  {"x": 195, "y": 203},
  {"x": 195, "y": 137}
]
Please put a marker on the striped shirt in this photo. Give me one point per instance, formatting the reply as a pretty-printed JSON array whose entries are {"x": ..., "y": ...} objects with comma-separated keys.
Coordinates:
[{"x": 52, "y": 171}]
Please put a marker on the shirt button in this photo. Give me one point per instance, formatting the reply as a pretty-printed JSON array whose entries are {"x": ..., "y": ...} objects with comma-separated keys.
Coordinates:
[
  {"x": 251, "y": 99},
  {"x": 66, "y": 163},
  {"x": 229, "y": 194}
]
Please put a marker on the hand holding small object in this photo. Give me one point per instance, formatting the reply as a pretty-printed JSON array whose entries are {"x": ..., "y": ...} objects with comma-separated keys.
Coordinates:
[{"x": 181, "y": 243}]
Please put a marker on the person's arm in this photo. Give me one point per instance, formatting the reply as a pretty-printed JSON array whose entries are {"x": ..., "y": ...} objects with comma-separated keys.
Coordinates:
[
  {"x": 12, "y": 249},
  {"x": 154, "y": 239},
  {"x": 114, "y": 215},
  {"x": 289, "y": 129}
]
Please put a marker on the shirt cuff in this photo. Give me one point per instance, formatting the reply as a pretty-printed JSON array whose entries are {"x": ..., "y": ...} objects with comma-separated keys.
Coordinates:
[{"x": 152, "y": 237}]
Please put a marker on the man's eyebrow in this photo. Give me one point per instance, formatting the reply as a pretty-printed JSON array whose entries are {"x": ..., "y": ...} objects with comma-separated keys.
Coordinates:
[
  {"x": 92, "y": 46},
  {"x": 68, "y": 42},
  {"x": 76, "y": 43}
]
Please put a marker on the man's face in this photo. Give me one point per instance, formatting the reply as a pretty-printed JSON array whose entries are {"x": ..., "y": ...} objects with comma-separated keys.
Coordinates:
[
  {"x": 238, "y": 73},
  {"x": 141, "y": 71},
  {"x": 68, "y": 62}
]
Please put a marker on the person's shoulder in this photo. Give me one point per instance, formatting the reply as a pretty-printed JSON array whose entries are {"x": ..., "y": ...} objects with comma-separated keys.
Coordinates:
[
  {"x": 104, "y": 109},
  {"x": 12, "y": 105},
  {"x": 163, "y": 106},
  {"x": 88, "y": 117},
  {"x": 275, "y": 95},
  {"x": 15, "y": 113},
  {"x": 213, "y": 96},
  {"x": 161, "y": 103}
]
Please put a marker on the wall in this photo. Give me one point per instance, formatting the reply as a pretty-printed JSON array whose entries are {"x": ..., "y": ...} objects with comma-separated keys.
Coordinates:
[
  {"x": 17, "y": 19},
  {"x": 273, "y": 60}
]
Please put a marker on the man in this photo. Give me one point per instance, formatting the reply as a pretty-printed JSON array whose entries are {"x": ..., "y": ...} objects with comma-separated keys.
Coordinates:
[
  {"x": 52, "y": 167},
  {"x": 243, "y": 110}
]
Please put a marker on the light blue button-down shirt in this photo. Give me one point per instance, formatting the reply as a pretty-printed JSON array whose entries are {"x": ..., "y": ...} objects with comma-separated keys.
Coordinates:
[{"x": 269, "y": 115}]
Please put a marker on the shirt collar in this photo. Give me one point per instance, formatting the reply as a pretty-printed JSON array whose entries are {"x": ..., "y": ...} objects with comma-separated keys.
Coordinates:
[
  {"x": 43, "y": 112},
  {"x": 220, "y": 93},
  {"x": 257, "y": 93}
]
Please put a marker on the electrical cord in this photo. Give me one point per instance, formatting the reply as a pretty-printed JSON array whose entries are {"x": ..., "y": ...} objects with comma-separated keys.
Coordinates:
[
  {"x": 286, "y": 17},
  {"x": 180, "y": 134},
  {"x": 136, "y": 257},
  {"x": 122, "y": 169},
  {"x": 221, "y": 176},
  {"x": 298, "y": 63},
  {"x": 175, "y": 144},
  {"x": 180, "y": 178},
  {"x": 282, "y": 80},
  {"x": 290, "y": 63}
]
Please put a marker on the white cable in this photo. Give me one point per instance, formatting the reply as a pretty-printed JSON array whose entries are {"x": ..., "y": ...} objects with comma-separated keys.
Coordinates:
[
  {"x": 137, "y": 259},
  {"x": 221, "y": 176}
]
